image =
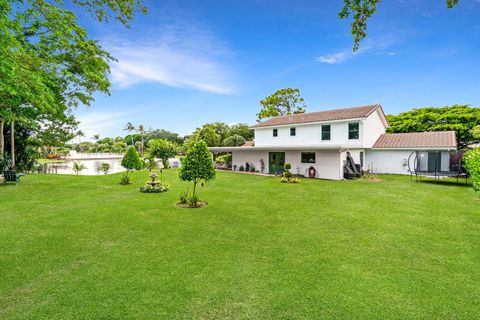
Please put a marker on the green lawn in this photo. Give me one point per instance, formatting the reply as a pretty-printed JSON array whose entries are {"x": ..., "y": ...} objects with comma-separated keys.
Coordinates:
[{"x": 77, "y": 247}]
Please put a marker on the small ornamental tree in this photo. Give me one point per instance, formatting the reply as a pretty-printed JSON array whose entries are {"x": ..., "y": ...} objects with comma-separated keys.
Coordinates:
[
  {"x": 197, "y": 165},
  {"x": 472, "y": 164},
  {"x": 131, "y": 160},
  {"x": 162, "y": 149}
]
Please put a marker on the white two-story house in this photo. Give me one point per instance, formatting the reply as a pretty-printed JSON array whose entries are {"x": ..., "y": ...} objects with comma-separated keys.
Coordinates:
[{"x": 316, "y": 143}]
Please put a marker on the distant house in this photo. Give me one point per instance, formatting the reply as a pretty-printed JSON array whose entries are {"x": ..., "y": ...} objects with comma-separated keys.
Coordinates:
[{"x": 317, "y": 144}]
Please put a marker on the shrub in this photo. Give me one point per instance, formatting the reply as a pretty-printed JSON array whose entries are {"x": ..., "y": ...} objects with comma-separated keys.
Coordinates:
[
  {"x": 287, "y": 166},
  {"x": 183, "y": 197},
  {"x": 105, "y": 167},
  {"x": 287, "y": 174},
  {"x": 241, "y": 168},
  {"x": 125, "y": 179},
  {"x": 252, "y": 168},
  {"x": 289, "y": 180},
  {"x": 131, "y": 160},
  {"x": 472, "y": 164},
  {"x": 148, "y": 188},
  {"x": 192, "y": 201}
]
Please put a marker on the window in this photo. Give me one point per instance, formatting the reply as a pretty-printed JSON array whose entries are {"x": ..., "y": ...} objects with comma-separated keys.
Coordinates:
[
  {"x": 308, "y": 157},
  {"x": 353, "y": 131},
  {"x": 293, "y": 132},
  {"x": 326, "y": 132},
  {"x": 275, "y": 132}
]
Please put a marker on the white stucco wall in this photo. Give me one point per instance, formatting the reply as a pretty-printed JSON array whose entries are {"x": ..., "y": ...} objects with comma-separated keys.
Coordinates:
[
  {"x": 242, "y": 157},
  {"x": 388, "y": 161},
  {"x": 373, "y": 128},
  {"x": 327, "y": 163},
  {"x": 307, "y": 134}
]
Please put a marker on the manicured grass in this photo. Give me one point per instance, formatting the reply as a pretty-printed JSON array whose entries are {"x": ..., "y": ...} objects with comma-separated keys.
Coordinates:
[{"x": 80, "y": 247}]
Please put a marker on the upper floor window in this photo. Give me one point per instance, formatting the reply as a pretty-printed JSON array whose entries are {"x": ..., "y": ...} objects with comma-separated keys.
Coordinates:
[
  {"x": 275, "y": 132},
  {"x": 326, "y": 132},
  {"x": 308, "y": 157},
  {"x": 353, "y": 131},
  {"x": 293, "y": 131}
]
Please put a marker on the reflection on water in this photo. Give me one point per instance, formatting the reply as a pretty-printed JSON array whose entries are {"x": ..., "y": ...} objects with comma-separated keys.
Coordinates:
[{"x": 92, "y": 167}]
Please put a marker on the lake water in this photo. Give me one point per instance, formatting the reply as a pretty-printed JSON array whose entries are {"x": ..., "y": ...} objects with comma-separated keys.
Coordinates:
[{"x": 92, "y": 167}]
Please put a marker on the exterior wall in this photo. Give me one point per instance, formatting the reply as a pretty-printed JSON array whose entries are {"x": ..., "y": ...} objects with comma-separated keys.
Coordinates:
[
  {"x": 307, "y": 134},
  {"x": 388, "y": 161},
  {"x": 253, "y": 157},
  {"x": 373, "y": 128},
  {"x": 327, "y": 163}
]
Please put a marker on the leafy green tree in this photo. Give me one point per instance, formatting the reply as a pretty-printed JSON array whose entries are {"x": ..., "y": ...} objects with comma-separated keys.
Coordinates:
[
  {"x": 197, "y": 165},
  {"x": 234, "y": 141},
  {"x": 361, "y": 11},
  {"x": 131, "y": 160},
  {"x": 162, "y": 149},
  {"x": 282, "y": 102},
  {"x": 460, "y": 118},
  {"x": 241, "y": 129},
  {"x": 476, "y": 132},
  {"x": 47, "y": 62},
  {"x": 163, "y": 134},
  {"x": 472, "y": 164}
]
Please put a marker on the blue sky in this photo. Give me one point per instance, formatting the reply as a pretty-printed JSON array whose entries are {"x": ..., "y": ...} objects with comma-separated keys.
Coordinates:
[{"x": 189, "y": 62}]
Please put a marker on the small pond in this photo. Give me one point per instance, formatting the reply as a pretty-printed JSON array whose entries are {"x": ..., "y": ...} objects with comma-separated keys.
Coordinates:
[{"x": 92, "y": 167}]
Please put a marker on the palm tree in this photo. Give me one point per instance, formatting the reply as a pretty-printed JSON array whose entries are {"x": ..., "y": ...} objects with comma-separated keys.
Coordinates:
[
  {"x": 96, "y": 137},
  {"x": 141, "y": 128},
  {"x": 80, "y": 134},
  {"x": 77, "y": 167},
  {"x": 130, "y": 128}
]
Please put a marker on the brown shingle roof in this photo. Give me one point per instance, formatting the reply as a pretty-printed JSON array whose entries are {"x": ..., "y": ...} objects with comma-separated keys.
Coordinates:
[
  {"x": 320, "y": 116},
  {"x": 436, "y": 139}
]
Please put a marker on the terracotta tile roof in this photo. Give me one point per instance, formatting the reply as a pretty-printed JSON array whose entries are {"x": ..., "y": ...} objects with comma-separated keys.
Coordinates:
[
  {"x": 436, "y": 139},
  {"x": 320, "y": 116}
]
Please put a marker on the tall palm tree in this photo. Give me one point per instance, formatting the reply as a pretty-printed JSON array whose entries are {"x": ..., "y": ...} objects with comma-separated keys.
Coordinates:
[
  {"x": 141, "y": 128},
  {"x": 80, "y": 134},
  {"x": 96, "y": 137},
  {"x": 130, "y": 128}
]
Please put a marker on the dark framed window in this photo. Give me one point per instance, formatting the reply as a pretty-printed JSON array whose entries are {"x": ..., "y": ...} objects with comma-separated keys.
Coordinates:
[
  {"x": 325, "y": 132},
  {"x": 308, "y": 157},
  {"x": 353, "y": 130},
  {"x": 293, "y": 132},
  {"x": 275, "y": 132}
]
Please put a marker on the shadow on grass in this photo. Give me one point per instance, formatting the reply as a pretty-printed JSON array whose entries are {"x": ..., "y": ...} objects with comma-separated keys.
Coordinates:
[{"x": 446, "y": 182}]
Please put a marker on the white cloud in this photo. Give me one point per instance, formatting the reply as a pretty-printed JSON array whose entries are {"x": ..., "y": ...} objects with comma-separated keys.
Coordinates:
[
  {"x": 95, "y": 122},
  {"x": 377, "y": 46},
  {"x": 180, "y": 55}
]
